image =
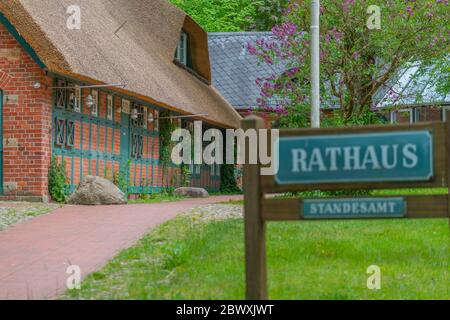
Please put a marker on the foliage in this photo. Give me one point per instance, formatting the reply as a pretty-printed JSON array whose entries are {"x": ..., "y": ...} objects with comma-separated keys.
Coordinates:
[
  {"x": 185, "y": 176},
  {"x": 120, "y": 178},
  {"x": 57, "y": 181},
  {"x": 234, "y": 15},
  {"x": 442, "y": 77},
  {"x": 363, "y": 119},
  {"x": 220, "y": 15},
  {"x": 156, "y": 198},
  {"x": 166, "y": 127},
  {"x": 228, "y": 182},
  {"x": 268, "y": 14},
  {"x": 356, "y": 61}
]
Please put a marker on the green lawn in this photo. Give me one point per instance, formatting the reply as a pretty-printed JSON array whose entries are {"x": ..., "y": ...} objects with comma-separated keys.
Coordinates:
[
  {"x": 306, "y": 260},
  {"x": 375, "y": 193}
]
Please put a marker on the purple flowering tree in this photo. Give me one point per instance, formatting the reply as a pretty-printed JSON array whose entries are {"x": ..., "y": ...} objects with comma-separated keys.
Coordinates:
[{"x": 356, "y": 61}]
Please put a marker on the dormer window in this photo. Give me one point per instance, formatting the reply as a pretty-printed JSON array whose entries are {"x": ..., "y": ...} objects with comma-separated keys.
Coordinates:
[{"x": 181, "y": 54}]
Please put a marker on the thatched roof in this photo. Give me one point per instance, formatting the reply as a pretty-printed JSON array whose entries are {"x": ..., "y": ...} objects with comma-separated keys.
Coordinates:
[{"x": 140, "y": 54}]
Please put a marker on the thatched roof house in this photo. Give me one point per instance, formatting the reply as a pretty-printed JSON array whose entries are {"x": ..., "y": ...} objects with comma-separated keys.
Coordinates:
[
  {"x": 129, "y": 42},
  {"x": 90, "y": 83}
]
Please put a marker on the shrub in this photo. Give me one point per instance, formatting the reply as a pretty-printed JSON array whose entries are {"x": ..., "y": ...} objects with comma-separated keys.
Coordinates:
[
  {"x": 57, "y": 181},
  {"x": 228, "y": 182},
  {"x": 185, "y": 176}
]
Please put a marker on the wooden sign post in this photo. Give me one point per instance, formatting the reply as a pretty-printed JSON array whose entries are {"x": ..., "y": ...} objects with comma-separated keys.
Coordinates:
[
  {"x": 351, "y": 158},
  {"x": 255, "y": 227}
]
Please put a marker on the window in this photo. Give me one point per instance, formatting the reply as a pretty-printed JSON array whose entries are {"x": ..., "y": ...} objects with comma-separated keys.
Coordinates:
[
  {"x": 74, "y": 98},
  {"x": 444, "y": 112},
  {"x": 70, "y": 134},
  {"x": 94, "y": 108},
  {"x": 416, "y": 114},
  {"x": 156, "y": 120},
  {"x": 64, "y": 133},
  {"x": 60, "y": 94},
  {"x": 137, "y": 146},
  {"x": 125, "y": 106},
  {"x": 60, "y": 132},
  {"x": 181, "y": 53},
  {"x": 70, "y": 93},
  {"x": 77, "y": 102},
  {"x": 144, "y": 117},
  {"x": 109, "y": 107},
  {"x": 139, "y": 120},
  {"x": 402, "y": 116}
]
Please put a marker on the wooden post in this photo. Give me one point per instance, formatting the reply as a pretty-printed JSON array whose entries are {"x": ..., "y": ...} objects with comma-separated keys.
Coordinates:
[
  {"x": 447, "y": 148},
  {"x": 255, "y": 229}
]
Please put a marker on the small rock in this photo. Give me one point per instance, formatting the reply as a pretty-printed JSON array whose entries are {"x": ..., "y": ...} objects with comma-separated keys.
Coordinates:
[
  {"x": 97, "y": 191},
  {"x": 192, "y": 192}
]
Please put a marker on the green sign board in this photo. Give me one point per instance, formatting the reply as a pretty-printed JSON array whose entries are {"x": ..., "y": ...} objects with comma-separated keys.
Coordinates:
[
  {"x": 349, "y": 158},
  {"x": 354, "y": 208}
]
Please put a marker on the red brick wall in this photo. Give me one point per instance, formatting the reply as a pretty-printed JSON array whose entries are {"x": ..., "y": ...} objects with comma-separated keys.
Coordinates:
[
  {"x": 26, "y": 120},
  {"x": 429, "y": 114}
]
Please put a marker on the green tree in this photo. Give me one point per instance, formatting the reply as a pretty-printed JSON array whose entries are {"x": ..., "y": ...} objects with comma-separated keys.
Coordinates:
[
  {"x": 268, "y": 14},
  {"x": 220, "y": 15},
  {"x": 356, "y": 61},
  {"x": 234, "y": 15}
]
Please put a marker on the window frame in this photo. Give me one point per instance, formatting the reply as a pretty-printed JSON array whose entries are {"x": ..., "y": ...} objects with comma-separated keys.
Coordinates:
[
  {"x": 110, "y": 107},
  {"x": 444, "y": 109},
  {"x": 95, "y": 98},
  {"x": 61, "y": 94},
  {"x": 60, "y": 132},
  {"x": 394, "y": 114},
  {"x": 77, "y": 102},
  {"x": 126, "y": 106},
  {"x": 70, "y": 133},
  {"x": 156, "y": 120},
  {"x": 145, "y": 116},
  {"x": 181, "y": 53}
]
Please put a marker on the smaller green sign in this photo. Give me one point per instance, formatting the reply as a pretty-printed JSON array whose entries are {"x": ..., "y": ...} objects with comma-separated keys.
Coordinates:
[{"x": 364, "y": 208}]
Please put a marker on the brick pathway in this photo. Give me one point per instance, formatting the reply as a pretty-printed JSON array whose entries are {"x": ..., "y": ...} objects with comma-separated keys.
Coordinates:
[{"x": 34, "y": 255}]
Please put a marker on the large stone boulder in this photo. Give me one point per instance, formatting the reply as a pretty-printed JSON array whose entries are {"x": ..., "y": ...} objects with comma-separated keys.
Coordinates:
[
  {"x": 97, "y": 191},
  {"x": 192, "y": 192}
]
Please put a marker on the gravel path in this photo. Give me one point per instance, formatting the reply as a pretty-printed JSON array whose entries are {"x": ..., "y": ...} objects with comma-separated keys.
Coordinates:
[
  {"x": 12, "y": 213},
  {"x": 209, "y": 212}
]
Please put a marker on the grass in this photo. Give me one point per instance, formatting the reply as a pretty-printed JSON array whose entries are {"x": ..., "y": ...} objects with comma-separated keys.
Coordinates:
[
  {"x": 376, "y": 193},
  {"x": 306, "y": 260},
  {"x": 156, "y": 198},
  {"x": 410, "y": 192}
]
